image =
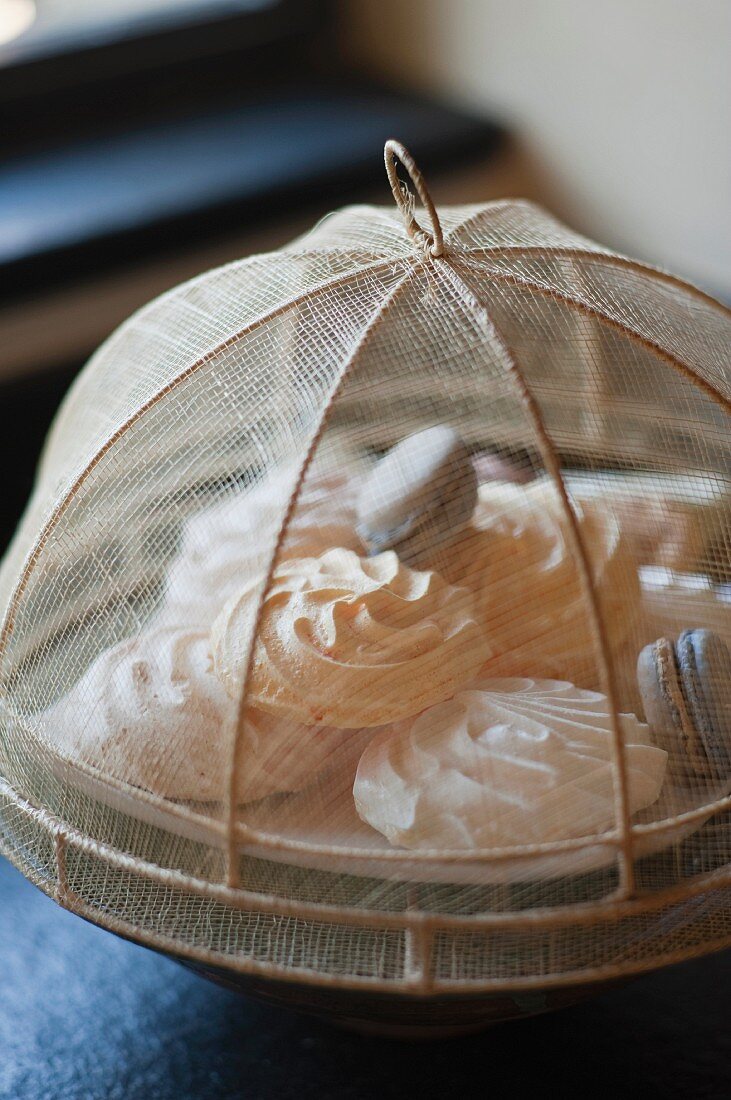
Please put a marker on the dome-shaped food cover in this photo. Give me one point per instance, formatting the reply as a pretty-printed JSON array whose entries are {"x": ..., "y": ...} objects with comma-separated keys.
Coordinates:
[{"x": 368, "y": 625}]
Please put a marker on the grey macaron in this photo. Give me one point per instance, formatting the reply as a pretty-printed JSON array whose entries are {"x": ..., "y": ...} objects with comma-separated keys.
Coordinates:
[
  {"x": 418, "y": 496},
  {"x": 686, "y": 692}
]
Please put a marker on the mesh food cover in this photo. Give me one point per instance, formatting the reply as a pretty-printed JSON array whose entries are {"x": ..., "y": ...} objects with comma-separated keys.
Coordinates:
[{"x": 368, "y": 623}]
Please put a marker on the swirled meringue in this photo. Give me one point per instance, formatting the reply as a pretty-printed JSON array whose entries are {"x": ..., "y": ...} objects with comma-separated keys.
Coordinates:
[
  {"x": 505, "y": 762},
  {"x": 150, "y": 712},
  {"x": 350, "y": 641},
  {"x": 518, "y": 559},
  {"x": 232, "y": 540},
  {"x": 280, "y": 754}
]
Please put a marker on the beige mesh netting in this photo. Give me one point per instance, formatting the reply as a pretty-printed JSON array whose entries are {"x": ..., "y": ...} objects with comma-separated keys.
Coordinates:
[{"x": 368, "y": 622}]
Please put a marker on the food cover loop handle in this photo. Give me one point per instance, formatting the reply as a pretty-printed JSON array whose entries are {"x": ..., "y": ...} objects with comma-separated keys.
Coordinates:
[{"x": 433, "y": 242}]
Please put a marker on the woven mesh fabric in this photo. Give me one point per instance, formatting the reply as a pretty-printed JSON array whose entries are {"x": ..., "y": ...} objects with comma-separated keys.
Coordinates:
[{"x": 194, "y": 453}]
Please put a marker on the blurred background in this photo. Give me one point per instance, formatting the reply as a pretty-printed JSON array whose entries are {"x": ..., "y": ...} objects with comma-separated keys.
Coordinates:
[{"x": 146, "y": 140}]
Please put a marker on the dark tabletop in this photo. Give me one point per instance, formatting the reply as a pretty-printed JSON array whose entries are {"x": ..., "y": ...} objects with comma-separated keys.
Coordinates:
[{"x": 86, "y": 1016}]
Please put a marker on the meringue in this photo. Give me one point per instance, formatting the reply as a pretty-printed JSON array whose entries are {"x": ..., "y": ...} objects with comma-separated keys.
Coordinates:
[
  {"x": 281, "y": 755},
  {"x": 233, "y": 539},
  {"x": 517, "y": 557},
  {"x": 506, "y": 762},
  {"x": 349, "y": 641},
  {"x": 150, "y": 712},
  {"x": 675, "y": 521}
]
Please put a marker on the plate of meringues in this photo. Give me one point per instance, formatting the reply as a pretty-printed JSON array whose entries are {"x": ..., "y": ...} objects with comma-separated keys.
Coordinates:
[{"x": 422, "y": 697}]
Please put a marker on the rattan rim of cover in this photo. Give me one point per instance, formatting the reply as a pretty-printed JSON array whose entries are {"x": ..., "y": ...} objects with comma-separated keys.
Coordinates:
[{"x": 419, "y": 927}]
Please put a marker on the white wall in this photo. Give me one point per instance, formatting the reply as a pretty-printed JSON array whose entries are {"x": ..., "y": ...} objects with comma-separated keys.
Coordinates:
[{"x": 624, "y": 104}]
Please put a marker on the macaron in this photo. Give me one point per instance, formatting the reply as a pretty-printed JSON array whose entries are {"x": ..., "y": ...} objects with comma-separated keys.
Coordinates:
[
  {"x": 686, "y": 692},
  {"x": 704, "y": 661},
  {"x": 418, "y": 496}
]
